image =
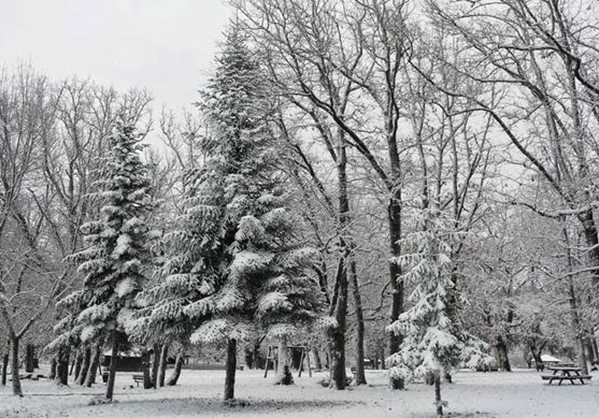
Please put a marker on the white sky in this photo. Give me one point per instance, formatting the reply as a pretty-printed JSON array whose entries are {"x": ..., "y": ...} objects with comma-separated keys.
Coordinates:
[{"x": 165, "y": 46}]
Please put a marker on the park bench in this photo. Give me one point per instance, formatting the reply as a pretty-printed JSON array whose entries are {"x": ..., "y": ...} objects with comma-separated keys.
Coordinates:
[
  {"x": 137, "y": 378},
  {"x": 560, "y": 379},
  {"x": 561, "y": 373}
]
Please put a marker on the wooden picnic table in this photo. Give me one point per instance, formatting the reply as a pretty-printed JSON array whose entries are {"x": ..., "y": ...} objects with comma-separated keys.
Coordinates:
[{"x": 561, "y": 373}]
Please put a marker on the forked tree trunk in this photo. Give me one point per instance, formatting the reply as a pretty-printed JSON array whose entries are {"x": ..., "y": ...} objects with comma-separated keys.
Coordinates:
[
  {"x": 336, "y": 334},
  {"x": 174, "y": 377},
  {"x": 90, "y": 377},
  {"x": 162, "y": 366},
  {"x": 112, "y": 370},
  {"x": 14, "y": 365},
  {"x": 84, "y": 366},
  {"x": 360, "y": 374},
  {"x": 230, "y": 369}
]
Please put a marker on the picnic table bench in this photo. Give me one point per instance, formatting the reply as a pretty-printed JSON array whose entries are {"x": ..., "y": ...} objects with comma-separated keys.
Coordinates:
[
  {"x": 138, "y": 378},
  {"x": 561, "y": 373}
]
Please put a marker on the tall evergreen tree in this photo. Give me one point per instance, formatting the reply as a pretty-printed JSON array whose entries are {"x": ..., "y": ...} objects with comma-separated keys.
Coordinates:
[
  {"x": 235, "y": 261},
  {"x": 118, "y": 247},
  {"x": 435, "y": 343}
]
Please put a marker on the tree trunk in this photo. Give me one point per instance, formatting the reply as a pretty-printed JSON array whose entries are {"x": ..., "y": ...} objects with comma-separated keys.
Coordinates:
[
  {"x": 14, "y": 365},
  {"x": 284, "y": 376},
  {"x": 590, "y": 232},
  {"x": 112, "y": 371},
  {"x": 502, "y": 354},
  {"x": 84, "y": 366},
  {"x": 174, "y": 377},
  {"x": 317, "y": 359},
  {"x": 336, "y": 334},
  {"x": 360, "y": 374},
  {"x": 53, "y": 365},
  {"x": 90, "y": 377},
  {"x": 397, "y": 285},
  {"x": 383, "y": 366},
  {"x": 438, "y": 401},
  {"x": 162, "y": 366},
  {"x": 5, "y": 360},
  {"x": 29, "y": 358},
  {"x": 62, "y": 368},
  {"x": 78, "y": 365},
  {"x": 576, "y": 325},
  {"x": 145, "y": 365},
  {"x": 231, "y": 368},
  {"x": 155, "y": 365},
  {"x": 257, "y": 356},
  {"x": 586, "y": 342},
  {"x": 595, "y": 350}
]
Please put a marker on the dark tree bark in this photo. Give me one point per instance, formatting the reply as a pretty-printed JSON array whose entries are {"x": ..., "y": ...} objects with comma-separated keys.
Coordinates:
[
  {"x": 5, "y": 360},
  {"x": 53, "y": 365},
  {"x": 317, "y": 358},
  {"x": 360, "y": 374},
  {"x": 155, "y": 365},
  {"x": 502, "y": 353},
  {"x": 62, "y": 368},
  {"x": 87, "y": 354},
  {"x": 14, "y": 365},
  {"x": 336, "y": 334},
  {"x": 536, "y": 354},
  {"x": 230, "y": 369},
  {"x": 145, "y": 365},
  {"x": 78, "y": 365},
  {"x": 92, "y": 371},
  {"x": 397, "y": 286},
  {"x": 174, "y": 377},
  {"x": 438, "y": 401},
  {"x": 29, "y": 358},
  {"x": 162, "y": 366},
  {"x": 112, "y": 370}
]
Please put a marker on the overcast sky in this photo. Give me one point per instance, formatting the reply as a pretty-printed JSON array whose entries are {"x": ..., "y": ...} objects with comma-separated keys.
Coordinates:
[{"x": 166, "y": 46}]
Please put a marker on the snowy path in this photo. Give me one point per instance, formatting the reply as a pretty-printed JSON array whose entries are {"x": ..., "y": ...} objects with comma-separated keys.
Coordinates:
[{"x": 518, "y": 394}]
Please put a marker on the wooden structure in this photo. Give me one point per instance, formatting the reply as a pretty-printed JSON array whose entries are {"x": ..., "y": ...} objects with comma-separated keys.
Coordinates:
[
  {"x": 561, "y": 373},
  {"x": 273, "y": 354}
]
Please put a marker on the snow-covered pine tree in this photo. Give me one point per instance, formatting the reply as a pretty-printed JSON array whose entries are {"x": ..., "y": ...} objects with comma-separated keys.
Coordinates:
[
  {"x": 434, "y": 342},
  {"x": 234, "y": 261},
  {"x": 265, "y": 282},
  {"x": 118, "y": 248}
]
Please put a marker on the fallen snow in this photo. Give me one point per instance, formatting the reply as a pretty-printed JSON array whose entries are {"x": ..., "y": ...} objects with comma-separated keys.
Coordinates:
[{"x": 517, "y": 394}]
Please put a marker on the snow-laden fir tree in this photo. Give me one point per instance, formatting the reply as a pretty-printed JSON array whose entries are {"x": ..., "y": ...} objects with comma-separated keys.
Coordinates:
[
  {"x": 235, "y": 262},
  {"x": 112, "y": 264},
  {"x": 434, "y": 342}
]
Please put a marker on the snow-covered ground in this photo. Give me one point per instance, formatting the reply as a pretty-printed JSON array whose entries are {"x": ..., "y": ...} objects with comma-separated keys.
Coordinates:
[{"x": 517, "y": 394}]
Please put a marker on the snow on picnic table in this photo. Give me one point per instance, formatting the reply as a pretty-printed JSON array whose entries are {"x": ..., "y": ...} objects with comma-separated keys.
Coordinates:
[{"x": 517, "y": 394}]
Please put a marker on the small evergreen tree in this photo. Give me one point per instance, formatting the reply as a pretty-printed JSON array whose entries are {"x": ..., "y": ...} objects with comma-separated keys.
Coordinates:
[
  {"x": 434, "y": 343},
  {"x": 118, "y": 248}
]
